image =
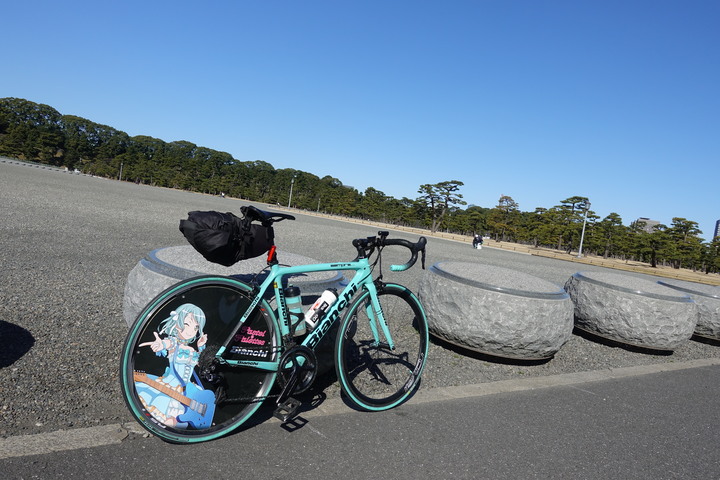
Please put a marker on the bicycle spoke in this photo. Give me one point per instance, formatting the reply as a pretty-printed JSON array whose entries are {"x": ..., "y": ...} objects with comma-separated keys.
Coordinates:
[{"x": 372, "y": 373}]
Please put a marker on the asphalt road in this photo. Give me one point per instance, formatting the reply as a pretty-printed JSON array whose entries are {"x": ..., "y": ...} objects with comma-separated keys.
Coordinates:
[
  {"x": 68, "y": 242},
  {"x": 642, "y": 426}
]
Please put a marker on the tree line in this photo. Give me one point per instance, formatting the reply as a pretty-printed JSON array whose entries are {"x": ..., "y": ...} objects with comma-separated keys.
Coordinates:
[{"x": 37, "y": 132}]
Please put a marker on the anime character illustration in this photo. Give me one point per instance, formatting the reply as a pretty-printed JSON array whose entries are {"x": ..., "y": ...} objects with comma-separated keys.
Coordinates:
[{"x": 173, "y": 398}]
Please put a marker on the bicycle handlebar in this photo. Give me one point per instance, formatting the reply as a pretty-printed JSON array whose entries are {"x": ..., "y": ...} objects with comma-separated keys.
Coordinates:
[
  {"x": 415, "y": 248},
  {"x": 366, "y": 247}
]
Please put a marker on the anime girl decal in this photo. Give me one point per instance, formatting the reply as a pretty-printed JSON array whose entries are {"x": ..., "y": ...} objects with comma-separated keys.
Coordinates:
[{"x": 173, "y": 398}]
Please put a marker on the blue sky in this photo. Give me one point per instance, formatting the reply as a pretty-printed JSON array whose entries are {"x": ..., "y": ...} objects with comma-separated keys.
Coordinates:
[{"x": 618, "y": 101}]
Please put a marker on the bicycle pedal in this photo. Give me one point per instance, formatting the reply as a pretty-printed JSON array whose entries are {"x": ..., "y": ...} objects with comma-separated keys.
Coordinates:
[{"x": 286, "y": 410}]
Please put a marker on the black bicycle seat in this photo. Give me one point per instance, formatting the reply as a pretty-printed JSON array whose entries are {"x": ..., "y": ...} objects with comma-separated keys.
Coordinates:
[{"x": 263, "y": 216}]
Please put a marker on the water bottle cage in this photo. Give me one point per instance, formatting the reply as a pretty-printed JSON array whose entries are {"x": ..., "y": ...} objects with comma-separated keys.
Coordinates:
[{"x": 296, "y": 320}]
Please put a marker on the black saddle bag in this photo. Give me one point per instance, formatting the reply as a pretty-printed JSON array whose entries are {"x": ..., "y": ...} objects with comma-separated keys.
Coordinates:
[{"x": 225, "y": 238}]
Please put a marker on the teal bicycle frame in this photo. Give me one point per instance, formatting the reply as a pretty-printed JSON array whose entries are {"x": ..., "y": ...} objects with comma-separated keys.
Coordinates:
[
  {"x": 361, "y": 279},
  {"x": 249, "y": 325}
]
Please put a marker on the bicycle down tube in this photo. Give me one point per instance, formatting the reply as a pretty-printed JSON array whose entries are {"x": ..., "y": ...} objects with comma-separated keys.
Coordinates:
[{"x": 362, "y": 278}]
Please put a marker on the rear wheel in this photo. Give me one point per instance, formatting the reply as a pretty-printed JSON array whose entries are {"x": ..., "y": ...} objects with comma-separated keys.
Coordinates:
[
  {"x": 372, "y": 375},
  {"x": 171, "y": 380}
]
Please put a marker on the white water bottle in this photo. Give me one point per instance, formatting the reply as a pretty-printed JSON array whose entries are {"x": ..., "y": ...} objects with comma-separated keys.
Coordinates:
[{"x": 320, "y": 307}]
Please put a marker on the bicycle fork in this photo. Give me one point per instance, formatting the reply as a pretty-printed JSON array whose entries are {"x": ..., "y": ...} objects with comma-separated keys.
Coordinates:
[{"x": 376, "y": 317}]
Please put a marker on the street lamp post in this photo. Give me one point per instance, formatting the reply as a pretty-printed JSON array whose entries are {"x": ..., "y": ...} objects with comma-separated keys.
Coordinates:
[
  {"x": 292, "y": 182},
  {"x": 582, "y": 235}
]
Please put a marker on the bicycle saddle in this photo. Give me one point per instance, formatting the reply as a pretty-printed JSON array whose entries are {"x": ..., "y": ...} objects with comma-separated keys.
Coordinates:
[{"x": 263, "y": 216}]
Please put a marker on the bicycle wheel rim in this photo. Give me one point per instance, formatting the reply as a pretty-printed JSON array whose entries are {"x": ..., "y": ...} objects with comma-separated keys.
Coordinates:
[
  {"x": 222, "y": 301},
  {"x": 374, "y": 378}
]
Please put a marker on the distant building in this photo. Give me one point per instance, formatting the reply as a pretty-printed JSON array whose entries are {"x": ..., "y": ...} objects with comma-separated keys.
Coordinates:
[
  {"x": 649, "y": 224},
  {"x": 717, "y": 230}
]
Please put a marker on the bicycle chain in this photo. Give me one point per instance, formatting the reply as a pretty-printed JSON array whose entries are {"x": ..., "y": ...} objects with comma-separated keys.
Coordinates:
[
  {"x": 209, "y": 364},
  {"x": 246, "y": 399}
]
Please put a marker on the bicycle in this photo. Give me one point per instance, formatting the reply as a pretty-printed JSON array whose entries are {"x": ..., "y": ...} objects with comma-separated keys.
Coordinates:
[{"x": 205, "y": 353}]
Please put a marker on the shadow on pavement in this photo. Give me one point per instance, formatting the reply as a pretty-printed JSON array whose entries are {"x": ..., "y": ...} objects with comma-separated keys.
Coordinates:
[
  {"x": 15, "y": 342},
  {"x": 484, "y": 356}
]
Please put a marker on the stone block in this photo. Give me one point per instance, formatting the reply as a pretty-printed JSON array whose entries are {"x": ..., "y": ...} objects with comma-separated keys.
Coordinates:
[
  {"x": 631, "y": 310},
  {"x": 707, "y": 299},
  {"x": 495, "y": 310}
]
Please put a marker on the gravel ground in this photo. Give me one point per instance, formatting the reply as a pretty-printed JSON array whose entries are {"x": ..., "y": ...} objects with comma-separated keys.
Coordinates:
[{"x": 69, "y": 242}]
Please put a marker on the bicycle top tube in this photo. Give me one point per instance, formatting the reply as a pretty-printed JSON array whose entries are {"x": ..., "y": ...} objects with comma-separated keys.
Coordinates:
[{"x": 274, "y": 283}]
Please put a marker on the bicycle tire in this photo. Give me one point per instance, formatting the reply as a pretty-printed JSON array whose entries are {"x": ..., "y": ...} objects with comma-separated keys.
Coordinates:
[
  {"x": 371, "y": 376},
  {"x": 145, "y": 374}
]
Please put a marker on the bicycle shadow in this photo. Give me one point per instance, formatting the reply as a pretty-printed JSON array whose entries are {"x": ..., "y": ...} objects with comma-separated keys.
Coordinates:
[
  {"x": 15, "y": 342},
  {"x": 311, "y": 399}
]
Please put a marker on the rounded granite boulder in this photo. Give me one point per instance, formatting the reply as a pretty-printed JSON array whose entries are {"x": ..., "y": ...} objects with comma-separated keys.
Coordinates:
[
  {"x": 631, "y": 310},
  {"x": 707, "y": 299},
  {"x": 496, "y": 311},
  {"x": 164, "y": 267}
]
